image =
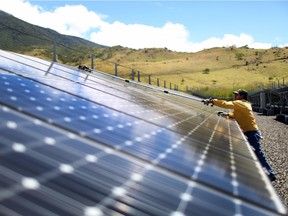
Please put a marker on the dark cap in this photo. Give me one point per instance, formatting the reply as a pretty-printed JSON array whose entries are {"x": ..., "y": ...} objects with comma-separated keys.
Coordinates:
[{"x": 241, "y": 92}]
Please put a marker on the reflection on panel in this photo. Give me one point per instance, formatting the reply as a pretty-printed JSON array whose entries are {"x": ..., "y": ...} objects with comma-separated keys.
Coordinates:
[{"x": 92, "y": 144}]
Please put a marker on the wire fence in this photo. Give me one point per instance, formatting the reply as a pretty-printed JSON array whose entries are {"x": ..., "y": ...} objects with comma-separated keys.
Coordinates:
[
  {"x": 51, "y": 51},
  {"x": 270, "y": 101}
]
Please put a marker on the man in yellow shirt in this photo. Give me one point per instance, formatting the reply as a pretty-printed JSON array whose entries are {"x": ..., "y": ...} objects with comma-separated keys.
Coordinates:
[{"x": 243, "y": 114}]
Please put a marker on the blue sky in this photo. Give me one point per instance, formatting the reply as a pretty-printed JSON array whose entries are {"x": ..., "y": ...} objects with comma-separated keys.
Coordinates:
[{"x": 188, "y": 26}]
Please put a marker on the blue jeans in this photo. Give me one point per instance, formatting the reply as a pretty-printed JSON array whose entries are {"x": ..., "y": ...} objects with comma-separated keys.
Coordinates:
[{"x": 253, "y": 138}]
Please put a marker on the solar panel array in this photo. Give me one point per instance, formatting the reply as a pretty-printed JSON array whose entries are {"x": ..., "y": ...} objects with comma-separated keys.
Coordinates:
[{"x": 91, "y": 144}]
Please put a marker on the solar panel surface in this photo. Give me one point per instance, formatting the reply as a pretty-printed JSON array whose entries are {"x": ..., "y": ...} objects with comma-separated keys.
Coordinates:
[{"x": 73, "y": 143}]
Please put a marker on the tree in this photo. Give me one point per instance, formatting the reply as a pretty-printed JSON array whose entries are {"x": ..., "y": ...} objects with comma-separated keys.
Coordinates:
[
  {"x": 206, "y": 71},
  {"x": 239, "y": 56},
  {"x": 182, "y": 81}
]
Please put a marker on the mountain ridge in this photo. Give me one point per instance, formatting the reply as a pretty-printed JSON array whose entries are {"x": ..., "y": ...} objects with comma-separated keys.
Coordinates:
[
  {"x": 11, "y": 24},
  {"x": 20, "y": 36}
]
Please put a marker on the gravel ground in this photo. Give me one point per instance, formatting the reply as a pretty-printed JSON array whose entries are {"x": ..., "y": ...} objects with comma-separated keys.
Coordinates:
[{"x": 275, "y": 146}]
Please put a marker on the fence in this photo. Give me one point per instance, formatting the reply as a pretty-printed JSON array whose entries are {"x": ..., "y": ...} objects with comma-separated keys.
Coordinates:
[
  {"x": 125, "y": 72},
  {"x": 270, "y": 101},
  {"x": 110, "y": 67}
]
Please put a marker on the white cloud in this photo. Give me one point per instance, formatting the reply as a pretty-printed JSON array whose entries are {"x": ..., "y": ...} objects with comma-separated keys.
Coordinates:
[
  {"x": 77, "y": 20},
  {"x": 73, "y": 20},
  {"x": 141, "y": 36},
  {"x": 171, "y": 36},
  {"x": 22, "y": 10}
]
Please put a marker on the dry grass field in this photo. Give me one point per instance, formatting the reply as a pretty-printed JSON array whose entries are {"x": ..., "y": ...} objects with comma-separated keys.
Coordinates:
[{"x": 213, "y": 71}]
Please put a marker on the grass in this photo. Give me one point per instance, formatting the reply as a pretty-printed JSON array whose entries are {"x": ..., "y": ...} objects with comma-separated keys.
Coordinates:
[
  {"x": 214, "y": 72},
  {"x": 258, "y": 69}
]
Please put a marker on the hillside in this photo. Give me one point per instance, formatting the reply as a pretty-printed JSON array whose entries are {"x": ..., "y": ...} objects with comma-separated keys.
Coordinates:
[
  {"x": 20, "y": 36},
  {"x": 215, "y": 71}
]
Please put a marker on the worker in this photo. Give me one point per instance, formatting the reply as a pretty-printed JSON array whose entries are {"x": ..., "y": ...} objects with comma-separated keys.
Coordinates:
[{"x": 243, "y": 114}]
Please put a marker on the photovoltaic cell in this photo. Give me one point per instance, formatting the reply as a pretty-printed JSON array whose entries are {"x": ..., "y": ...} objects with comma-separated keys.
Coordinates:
[{"x": 73, "y": 143}]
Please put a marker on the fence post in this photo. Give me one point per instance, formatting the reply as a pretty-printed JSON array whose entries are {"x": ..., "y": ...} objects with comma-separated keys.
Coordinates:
[
  {"x": 278, "y": 83},
  {"x": 157, "y": 81},
  {"x": 164, "y": 83},
  {"x": 262, "y": 101},
  {"x": 92, "y": 60},
  {"x": 139, "y": 76},
  {"x": 149, "y": 77},
  {"x": 116, "y": 69},
  {"x": 132, "y": 74},
  {"x": 54, "y": 52}
]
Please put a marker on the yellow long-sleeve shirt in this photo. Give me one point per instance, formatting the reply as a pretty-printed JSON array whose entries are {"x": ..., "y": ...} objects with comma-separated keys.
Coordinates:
[{"x": 242, "y": 113}]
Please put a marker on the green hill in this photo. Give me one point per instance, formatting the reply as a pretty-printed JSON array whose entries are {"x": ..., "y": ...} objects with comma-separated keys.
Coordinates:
[{"x": 20, "y": 36}]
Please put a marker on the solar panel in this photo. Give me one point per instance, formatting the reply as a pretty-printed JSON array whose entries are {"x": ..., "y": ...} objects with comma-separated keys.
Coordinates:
[{"x": 73, "y": 143}]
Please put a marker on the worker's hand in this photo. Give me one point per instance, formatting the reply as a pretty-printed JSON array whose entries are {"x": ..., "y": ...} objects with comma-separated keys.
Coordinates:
[
  {"x": 222, "y": 114},
  {"x": 208, "y": 101}
]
